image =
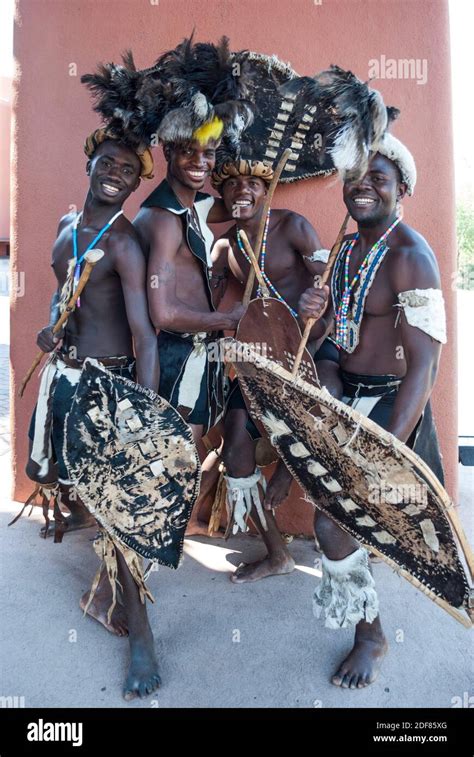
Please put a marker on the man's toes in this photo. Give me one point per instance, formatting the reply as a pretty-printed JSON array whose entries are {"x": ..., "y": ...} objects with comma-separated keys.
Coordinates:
[
  {"x": 346, "y": 681},
  {"x": 338, "y": 678},
  {"x": 354, "y": 681}
]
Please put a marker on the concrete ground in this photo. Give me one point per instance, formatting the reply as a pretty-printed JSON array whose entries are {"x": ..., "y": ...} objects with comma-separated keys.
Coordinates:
[{"x": 220, "y": 645}]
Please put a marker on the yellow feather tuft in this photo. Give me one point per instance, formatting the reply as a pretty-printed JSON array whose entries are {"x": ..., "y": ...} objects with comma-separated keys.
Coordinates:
[{"x": 210, "y": 130}]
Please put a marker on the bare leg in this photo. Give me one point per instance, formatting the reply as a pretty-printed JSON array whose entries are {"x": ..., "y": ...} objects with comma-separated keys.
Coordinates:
[
  {"x": 142, "y": 678},
  {"x": 239, "y": 459},
  {"x": 99, "y": 607},
  {"x": 329, "y": 376},
  {"x": 197, "y": 525},
  {"x": 362, "y": 664},
  {"x": 80, "y": 517}
]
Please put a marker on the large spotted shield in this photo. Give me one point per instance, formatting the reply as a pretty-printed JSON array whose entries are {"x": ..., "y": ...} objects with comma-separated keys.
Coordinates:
[
  {"x": 133, "y": 463},
  {"x": 361, "y": 476}
]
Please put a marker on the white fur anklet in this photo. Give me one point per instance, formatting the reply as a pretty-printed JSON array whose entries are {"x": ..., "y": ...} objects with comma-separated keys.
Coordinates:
[
  {"x": 346, "y": 593},
  {"x": 242, "y": 495}
]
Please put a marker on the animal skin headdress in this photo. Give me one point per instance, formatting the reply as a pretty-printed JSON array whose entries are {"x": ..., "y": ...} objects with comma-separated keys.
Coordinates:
[
  {"x": 192, "y": 92},
  {"x": 144, "y": 154},
  {"x": 399, "y": 154},
  {"x": 241, "y": 167}
]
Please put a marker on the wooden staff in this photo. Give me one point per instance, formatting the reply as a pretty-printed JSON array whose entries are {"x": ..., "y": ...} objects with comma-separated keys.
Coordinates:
[
  {"x": 91, "y": 258},
  {"x": 254, "y": 261},
  {"x": 271, "y": 189},
  {"x": 324, "y": 279}
]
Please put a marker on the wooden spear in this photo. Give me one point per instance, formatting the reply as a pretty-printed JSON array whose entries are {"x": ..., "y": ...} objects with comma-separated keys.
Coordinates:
[{"x": 324, "y": 280}]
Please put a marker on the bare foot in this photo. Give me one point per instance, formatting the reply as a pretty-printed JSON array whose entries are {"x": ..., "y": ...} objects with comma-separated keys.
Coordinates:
[
  {"x": 262, "y": 568},
  {"x": 362, "y": 664},
  {"x": 143, "y": 677},
  {"x": 198, "y": 528},
  {"x": 98, "y": 609},
  {"x": 74, "y": 523}
]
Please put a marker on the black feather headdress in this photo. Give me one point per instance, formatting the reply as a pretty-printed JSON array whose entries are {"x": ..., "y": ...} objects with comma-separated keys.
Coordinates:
[{"x": 193, "y": 91}]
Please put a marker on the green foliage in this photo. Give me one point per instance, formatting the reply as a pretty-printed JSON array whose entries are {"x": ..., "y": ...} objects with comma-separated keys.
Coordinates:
[{"x": 465, "y": 244}]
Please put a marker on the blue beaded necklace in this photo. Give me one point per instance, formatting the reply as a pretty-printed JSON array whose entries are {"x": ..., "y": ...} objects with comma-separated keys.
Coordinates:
[
  {"x": 262, "y": 266},
  {"x": 342, "y": 311},
  {"x": 79, "y": 260}
]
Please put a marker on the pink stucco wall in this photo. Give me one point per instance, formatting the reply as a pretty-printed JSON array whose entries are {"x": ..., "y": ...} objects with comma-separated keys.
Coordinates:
[
  {"x": 5, "y": 126},
  {"x": 57, "y": 42}
]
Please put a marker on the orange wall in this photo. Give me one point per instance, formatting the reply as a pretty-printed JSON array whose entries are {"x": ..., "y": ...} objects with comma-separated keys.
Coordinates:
[{"x": 53, "y": 114}]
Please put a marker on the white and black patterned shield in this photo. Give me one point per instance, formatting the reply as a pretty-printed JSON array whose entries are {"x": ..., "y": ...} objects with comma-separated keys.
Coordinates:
[
  {"x": 365, "y": 479},
  {"x": 133, "y": 463}
]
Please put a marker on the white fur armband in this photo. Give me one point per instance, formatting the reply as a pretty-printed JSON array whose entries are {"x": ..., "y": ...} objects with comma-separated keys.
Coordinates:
[
  {"x": 318, "y": 256},
  {"x": 424, "y": 309}
]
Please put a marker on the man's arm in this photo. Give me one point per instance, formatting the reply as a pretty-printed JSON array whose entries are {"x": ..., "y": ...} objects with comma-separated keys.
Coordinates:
[
  {"x": 131, "y": 267},
  {"x": 219, "y": 213},
  {"x": 305, "y": 242},
  {"x": 414, "y": 269},
  {"x": 313, "y": 302},
  {"x": 166, "y": 309},
  {"x": 220, "y": 269},
  {"x": 45, "y": 339}
]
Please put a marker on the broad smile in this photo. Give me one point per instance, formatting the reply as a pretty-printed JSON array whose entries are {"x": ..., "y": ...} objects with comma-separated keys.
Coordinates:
[
  {"x": 363, "y": 201},
  {"x": 110, "y": 189},
  {"x": 243, "y": 202},
  {"x": 196, "y": 175}
]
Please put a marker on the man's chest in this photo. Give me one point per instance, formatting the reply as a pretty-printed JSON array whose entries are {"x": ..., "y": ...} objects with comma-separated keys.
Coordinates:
[
  {"x": 63, "y": 257},
  {"x": 277, "y": 259}
]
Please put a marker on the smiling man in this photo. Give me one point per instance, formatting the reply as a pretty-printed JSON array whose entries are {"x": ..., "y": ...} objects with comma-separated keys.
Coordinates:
[
  {"x": 112, "y": 325},
  {"x": 389, "y": 324},
  {"x": 173, "y": 227},
  {"x": 290, "y": 258}
]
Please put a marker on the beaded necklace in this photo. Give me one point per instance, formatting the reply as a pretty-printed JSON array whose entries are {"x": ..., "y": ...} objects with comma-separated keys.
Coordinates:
[
  {"x": 342, "y": 311},
  {"x": 262, "y": 266}
]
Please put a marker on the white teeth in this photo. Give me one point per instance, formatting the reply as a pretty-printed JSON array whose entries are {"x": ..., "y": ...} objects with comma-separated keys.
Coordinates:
[
  {"x": 243, "y": 202},
  {"x": 363, "y": 201},
  {"x": 108, "y": 188},
  {"x": 197, "y": 174}
]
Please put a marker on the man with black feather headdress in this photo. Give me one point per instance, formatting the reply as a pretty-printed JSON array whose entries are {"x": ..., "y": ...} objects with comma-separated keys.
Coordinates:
[{"x": 192, "y": 102}]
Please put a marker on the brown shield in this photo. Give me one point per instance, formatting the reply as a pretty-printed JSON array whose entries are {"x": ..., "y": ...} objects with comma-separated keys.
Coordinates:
[{"x": 270, "y": 330}]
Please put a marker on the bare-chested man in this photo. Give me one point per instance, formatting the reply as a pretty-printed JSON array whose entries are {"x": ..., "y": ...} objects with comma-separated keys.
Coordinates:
[
  {"x": 390, "y": 333},
  {"x": 112, "y": 324},
  {"x": 173, "y": 228},
  {"x": 292, "y": 257}
]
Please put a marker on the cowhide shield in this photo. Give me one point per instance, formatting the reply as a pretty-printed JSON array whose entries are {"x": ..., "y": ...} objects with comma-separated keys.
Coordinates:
[
  {"x": 274, "y": 129},
  {"x": 360, "y": 475},
  {"x": 270, "y": 330},
  {"x": 133, "y": 462}
]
